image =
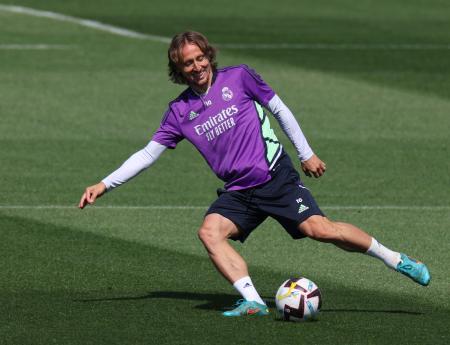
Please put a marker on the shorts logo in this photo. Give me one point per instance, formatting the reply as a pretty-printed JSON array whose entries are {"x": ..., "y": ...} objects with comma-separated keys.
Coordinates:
[
  {"x": 193, "y": 115},
  {"x": 302, "y": 208},
  {"x": 227, "y": 94}
]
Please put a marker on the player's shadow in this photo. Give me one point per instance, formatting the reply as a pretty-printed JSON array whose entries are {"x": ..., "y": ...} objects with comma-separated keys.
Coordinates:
[
  {"x": 218, "y": 302},
  {"x": 221, "y": 302},
  {"x": 344, "y": 310}
]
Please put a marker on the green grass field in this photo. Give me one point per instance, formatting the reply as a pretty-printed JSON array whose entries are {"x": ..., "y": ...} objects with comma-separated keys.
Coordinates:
[{"x": 374, "y": 102}]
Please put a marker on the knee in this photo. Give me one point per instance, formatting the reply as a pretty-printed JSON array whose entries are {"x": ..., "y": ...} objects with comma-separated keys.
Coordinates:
[
  {"x": 319, "y": 229},
  {"x": 209, "y": 235}
]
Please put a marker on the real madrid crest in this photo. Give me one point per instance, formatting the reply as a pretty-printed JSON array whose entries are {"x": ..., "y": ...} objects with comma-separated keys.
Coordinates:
[{"x": 227, "y": 94}]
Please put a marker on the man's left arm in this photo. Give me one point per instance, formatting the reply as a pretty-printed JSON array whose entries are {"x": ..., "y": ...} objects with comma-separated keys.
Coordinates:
[{"x": 310, "y": 163}]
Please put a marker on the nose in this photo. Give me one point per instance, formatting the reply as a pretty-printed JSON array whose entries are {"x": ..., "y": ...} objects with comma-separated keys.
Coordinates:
[{"x": 197, "y": 66}]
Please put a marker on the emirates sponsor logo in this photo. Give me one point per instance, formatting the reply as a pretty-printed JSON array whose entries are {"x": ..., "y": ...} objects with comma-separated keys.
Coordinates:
[{"x": 217, "y": 124}]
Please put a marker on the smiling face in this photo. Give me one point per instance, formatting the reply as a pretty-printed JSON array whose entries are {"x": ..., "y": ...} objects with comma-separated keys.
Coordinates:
[{"x": 195, "y": 67}]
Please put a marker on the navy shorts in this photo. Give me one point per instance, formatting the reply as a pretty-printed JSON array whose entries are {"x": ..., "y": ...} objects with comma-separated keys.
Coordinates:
[{"x": 283, "y": 198}]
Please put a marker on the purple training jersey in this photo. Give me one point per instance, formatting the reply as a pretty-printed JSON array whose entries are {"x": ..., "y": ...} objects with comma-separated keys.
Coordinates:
[{"x": 227, "y": 126}]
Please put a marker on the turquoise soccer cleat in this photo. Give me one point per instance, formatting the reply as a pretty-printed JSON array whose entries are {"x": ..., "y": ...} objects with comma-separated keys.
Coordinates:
[
  {"x": 414, "y": 269},
  {"x": 244, "y": 307}
]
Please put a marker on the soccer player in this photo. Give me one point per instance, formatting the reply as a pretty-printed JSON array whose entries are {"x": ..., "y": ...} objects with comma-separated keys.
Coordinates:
[{"x": 221, "y": 113}]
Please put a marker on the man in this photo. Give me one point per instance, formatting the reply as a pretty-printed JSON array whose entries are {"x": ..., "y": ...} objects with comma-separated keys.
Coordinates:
[{"x": 221, "y": 114}]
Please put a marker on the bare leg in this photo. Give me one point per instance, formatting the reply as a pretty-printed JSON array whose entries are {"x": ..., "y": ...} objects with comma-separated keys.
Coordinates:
[
  {"x": 351, "y": 238},
  {"x": 343, "y": 235},
  {"x": 214, "y": 234}
]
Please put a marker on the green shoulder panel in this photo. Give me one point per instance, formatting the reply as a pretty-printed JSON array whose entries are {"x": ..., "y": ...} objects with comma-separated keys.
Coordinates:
[{"x": 271, "y": 142}]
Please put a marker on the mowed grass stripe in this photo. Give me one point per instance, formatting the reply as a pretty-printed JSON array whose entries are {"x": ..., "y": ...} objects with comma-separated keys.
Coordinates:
[
  {"x": 83, "y": 22},
  {"x": 331, "y": 46},
  {"x": 39, "y": 46},
  {"x": 181, "y": 207},
  {"x": 115, "y": 30}
]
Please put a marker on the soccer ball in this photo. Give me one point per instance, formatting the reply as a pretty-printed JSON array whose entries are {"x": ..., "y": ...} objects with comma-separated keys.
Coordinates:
[{"x": 298, "y": 299}]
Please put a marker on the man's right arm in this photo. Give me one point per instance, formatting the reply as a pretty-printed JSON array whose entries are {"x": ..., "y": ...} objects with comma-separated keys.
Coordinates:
[{"x": 138, "y": 162}]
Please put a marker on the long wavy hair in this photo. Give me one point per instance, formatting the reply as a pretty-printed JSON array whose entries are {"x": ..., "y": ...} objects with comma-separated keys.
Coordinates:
[{"x": 176, "y": 58}]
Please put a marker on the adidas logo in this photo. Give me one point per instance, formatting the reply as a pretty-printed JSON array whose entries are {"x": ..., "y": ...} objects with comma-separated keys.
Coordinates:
[
  {"x": 247, "y": 285},
  {"x": 192, "y": 115},
  {"x": 302, "y": 208}
]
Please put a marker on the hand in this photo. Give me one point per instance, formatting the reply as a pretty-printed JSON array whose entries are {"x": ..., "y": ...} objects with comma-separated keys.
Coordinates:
[
  {"x": 313, "y": 167},
  {"x": 91, "y": 193}
]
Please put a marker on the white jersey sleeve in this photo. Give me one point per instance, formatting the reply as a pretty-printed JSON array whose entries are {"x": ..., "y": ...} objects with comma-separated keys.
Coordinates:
[
  {"x": 290, "y": 127},
  {"x": 137, "y": 162}
]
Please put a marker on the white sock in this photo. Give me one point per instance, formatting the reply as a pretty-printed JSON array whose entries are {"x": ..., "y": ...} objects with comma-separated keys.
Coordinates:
[
  {"x": 389, "y": 257},
  {"x": 247, "y": 290}
]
